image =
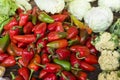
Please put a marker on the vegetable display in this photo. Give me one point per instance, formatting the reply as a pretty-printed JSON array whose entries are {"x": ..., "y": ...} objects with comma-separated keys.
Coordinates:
[{"x": 51, "y": 41}]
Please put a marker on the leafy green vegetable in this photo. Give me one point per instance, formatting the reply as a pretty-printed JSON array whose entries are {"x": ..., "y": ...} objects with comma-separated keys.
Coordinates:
[{"x": 115, "y": 28}]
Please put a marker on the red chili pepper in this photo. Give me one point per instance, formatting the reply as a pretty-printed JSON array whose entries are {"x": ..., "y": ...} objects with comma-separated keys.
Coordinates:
[
  {"x": 62, "y": 43},
  {"x": 93, "y": 50},
  {"x": 72, "y": 32},
  {"x": 81, "y": 75},
  {"x": 41, "y": 43},
  {"x": 59, "y": 17},
  {"x": 75, "y": 40},
  {"x": 27, "y": 29},
  {"x": 42, "y": 73},
  {"x": 63, "y": 53},
  {"x": 26, "y": 57},
  {"x": 3, "y": 56},
  {"x": 50, "y": 76},
  {"x": 24, "y": 72},
  {"x": 23, "y": 19},
  {"x": 32, "y": 65},
  {"x": 83, "y": 51},
  {"x": 25, "y": 38},
  {"x": 56, "y": 26},
  {"x": 56, "y": 35},
  {"x": 65, "y": 75},
  {"x": 74, "y": 61},
  {"x": 86, "y": 66},
  {"x": 12, "y": 49},
  {"x": 21, "y": 45},
  {"x": 8, "y": 62},
  {"x": 19, "y": 77},
  {"x": 13, "y": 22},
  {"x": 91, "y": 59},
  {"x": 19, "y": 11},
  {"x": 45, "y": 58},
  {"x": 40, "y": 29}
]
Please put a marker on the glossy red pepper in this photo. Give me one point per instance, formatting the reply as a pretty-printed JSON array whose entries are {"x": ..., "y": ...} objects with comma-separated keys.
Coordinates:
[
  {"x": 13, "y": 22},
  {"x": 91, "y": 59},
  {"x": 45, "y": 58},
  {"x": 75, "y": 40},
  {"x": 21, "y": 45},
  {"x": 41, "y": 43},
  {"x": 3, "y": 56},
  {"x": 59, "y": 17},
  {"x": 27, "y": 29},
  {"x": 83, "y": 51},
  {"x": 50, "y": 76},
  {"x": 18, "y": 77},
  {"x": 23, "y": 19},
  {"x": 56, "y": 26},
  {"x": 40, "y": 29},
  {"x": 74, "y": 61},
  {"x": 28, "y": 38},
  {"x": 26, "y": 57},
  {"x": 42, "y": 73},
  {"x": 86, "y": 66},
  {"x": 72, "y": 32},
  {"x": 81, "y": 75},
  {"x": 8, "y": 62},
  {"x": 24, "y": 72},
  {"x": 65, "y": 75},
  {"x": 12, "y": 49},
  {"x": 63, "y": 53},
  {"x": 56, "y": 35},
  {"x": 61, "y": 43}
]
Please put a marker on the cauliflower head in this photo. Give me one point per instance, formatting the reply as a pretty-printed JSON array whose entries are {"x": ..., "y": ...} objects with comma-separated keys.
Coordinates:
[
  {"x": 106, "y": 41},
  {"x": 112, "y": 75},
  {"x": 91, "y": 0},
  {"x": 99, "y": 18},
  {"x": 113, "y": 4},
  {"x": 109, "y": 60},
  {"x": 52, "y": 6},
  {"x": 79, "y": 8}
]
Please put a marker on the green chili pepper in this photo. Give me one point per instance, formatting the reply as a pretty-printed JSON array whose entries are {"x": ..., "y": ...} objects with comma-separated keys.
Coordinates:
[
  {"x": 4, "y": 41},
  {"x": 3, "y": 23},
  {"x": 65, "y": 64},
  {"x": 45, "y": 18}
]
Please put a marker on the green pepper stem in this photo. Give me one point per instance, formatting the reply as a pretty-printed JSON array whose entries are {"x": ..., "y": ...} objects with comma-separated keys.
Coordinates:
[
  {"x": 64, "y": 76},
  {"x": 31, "y": 72},
  {"x": 12, "y": 75},
  {"x": 78, "y": 56},
  {"x": 19, "y": 64},
  {"x": 76, "y": 69},
  {"x": 17, "y": 58},
  {"x": 43, "y": 66}
]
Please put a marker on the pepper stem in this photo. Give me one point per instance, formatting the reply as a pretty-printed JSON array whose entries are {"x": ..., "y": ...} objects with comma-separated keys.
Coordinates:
[
  {"x": 78, "y": 56},
  {"x": 31, "y": 72},
  {"x": 76, "y": 69},
  {"x": 43, "y": 66},
  {"x": 12, "y": 75},
  {"x": 17, "y": 58},
  {"x": 64, "y": 76},
  {"x": 19, "y": 64}
]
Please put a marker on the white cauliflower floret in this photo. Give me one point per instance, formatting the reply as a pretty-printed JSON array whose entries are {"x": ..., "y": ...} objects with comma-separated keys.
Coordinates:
[
  {"x": 99, "y": 18},
  {"x": 52, "y": 6},
  {"x": 106, "y": 41},
  {"x": 112, "y": 75},
  {"x": 113, "y": 4},
  {"x": 91, "y": 0},
  {"x": 79, "y": 8},
  {"x": 2, "y": 71},
  {"x": 109, "y": 60}
]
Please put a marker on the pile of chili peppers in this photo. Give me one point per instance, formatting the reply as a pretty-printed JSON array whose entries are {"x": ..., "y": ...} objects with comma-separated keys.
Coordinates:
[{"x": 50, "y": 45}]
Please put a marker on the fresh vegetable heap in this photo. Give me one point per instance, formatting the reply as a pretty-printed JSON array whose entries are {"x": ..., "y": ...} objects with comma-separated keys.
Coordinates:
[{"x": 47, "y": 44}]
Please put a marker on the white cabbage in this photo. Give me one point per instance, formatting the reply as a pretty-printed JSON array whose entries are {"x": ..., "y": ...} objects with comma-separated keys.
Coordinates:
[
  {"x": 79, "y": 8},
  {"x": 99, "y": 18},
  {"x": 52, "y": 6}
]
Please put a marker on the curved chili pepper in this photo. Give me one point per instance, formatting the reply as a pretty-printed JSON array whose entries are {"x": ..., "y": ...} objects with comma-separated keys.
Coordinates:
[
  {"x": 62, "y": 43},
  {"x": 50, "y": 76},
  {"x": 42, "y": 73},
  {"x": 4, "y": 42},
  {"x": 63, "y": 53},
  {"x": 45, "y": 58},
  {"x": 65, "y": 64},
  {"x": 28, "y": 38},
  {"x": 3, "y": 56},
  {"x": 12, "y": 49},
  {"x": 59, "y": 17},
  {"x": 72, "y": 32},
  {"x": 24, "y": 72},
  {"x": 8, "y": 62},
  {"x": 13, "y": 22},
  {"x": 56, "y": 35},
  {"x": 86, "y": 66},
  {"x": 23, "y": 19},
  {"x": 45, "y": 18},
  {"x": 40, "y": 29},
  {"x": 27, "y": 29},
  {"x": 65, "y": 75}
]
